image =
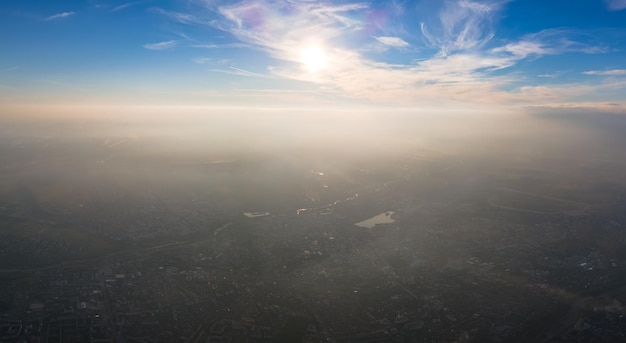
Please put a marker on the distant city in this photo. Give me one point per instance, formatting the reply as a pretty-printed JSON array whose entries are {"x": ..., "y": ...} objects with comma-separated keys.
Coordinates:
[
  {"x": 313, "y": 171},
  {"x": 116, "y": 239}
]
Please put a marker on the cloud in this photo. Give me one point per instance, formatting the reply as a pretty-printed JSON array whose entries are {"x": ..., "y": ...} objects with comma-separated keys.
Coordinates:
[
  {"x": 202, "y": 60},
  {"x": 612, "y": 72},
  {"x": 615, "y": 5},
  {"x": 207, "y": 60},
  {"x": 460, "y": 68},
  {"x": 60, "y": 15},
  {"x": 549, "y": 42},
  {"x": 265, "y": 24},
  {"x": 462, "y": 25},
  {"x": 392, "y": 41},
  {"x": 126, "y": 5},
  {"x": 222, "y": 46},
  {"x": 523, "y": 49},
  {"x": 573, "y": 93},
  {"x": 241, "y": 72},
  {"x": 183, "y": 18},
  {"x": 161, "y": 45},
  {"x": 122, "y": 6}
]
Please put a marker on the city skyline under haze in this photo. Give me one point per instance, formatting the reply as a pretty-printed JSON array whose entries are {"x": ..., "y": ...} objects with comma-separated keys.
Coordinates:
[
  {"x": 280, "y": 171},
  {"x": 414, "y": 54}
]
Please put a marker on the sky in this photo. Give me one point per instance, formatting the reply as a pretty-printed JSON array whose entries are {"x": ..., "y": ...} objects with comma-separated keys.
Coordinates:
[{"x": 429, "y": 54}]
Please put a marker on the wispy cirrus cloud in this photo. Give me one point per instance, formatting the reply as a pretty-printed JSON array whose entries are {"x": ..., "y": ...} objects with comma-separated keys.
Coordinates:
[
  {"x": 461, "y": 68},
  {"x": 126, "y": 5},
  {"x": 60, "y": 15},
  {"x": 548, "y": 42},
  {"x": 222, "y": 46},
  {"x": 574, "y": 94},
  {"x": 615, "y": 5},
  {"x": 280, "y": 27},
  {"x": 395, "y": 42},
  {"x": 202, "y": 60},
  {"x": 207, "y": 60},
  {"x": 525, "y": 48},
  {"x": 165, "y": 45},
  {"x": 183, "y": 18},
  {"x": 241, "y": 72},
  {"x": 611, "y": 72},
  {"x": 462, "y": 25}
]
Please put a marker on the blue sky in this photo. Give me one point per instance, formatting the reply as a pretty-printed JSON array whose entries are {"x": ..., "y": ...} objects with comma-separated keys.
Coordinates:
[{"x": 426, "y": 54}]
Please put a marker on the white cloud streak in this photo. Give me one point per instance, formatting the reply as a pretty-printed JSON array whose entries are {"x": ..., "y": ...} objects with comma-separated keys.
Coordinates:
[
  {"x": 462, "y": 25},
  {"x": 524, "y": 48},
  {"x": 161, "y": 45},
  {"x": 60, "y": 15},
  {"x": 203, "y": 60},
  {"x": 222, "y": 46},
  {"x": 395, "y": 42},
  {"x": 612, "y": 72},
  {"x": 616, "y": 5},
  {"x": 207, "y": 60},
  {"x": 241, "y": 72},
  {"x": 126, "y": 5},
  {"x": 183, "y": 18},
  {"x": 460, "y": 71}
]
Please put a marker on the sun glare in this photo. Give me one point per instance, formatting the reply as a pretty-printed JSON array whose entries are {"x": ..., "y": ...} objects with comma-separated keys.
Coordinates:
[{"x": 313, "y": 58}]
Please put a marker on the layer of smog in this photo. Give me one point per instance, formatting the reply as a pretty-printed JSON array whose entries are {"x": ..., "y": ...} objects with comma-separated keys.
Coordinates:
[{"x": 293, "y": 225}]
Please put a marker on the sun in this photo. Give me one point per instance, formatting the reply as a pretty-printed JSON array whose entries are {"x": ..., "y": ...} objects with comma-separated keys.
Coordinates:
[{"x": 314, "y": 58}]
